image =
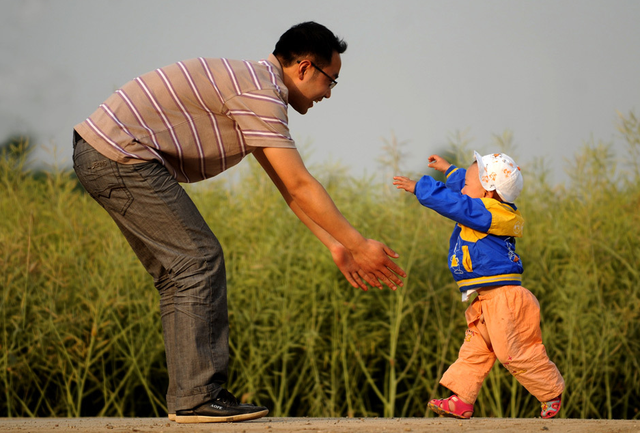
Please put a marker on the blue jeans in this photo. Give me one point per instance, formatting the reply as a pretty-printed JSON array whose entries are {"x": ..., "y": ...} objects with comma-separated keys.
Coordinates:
[{"x": 179, "y": 250}]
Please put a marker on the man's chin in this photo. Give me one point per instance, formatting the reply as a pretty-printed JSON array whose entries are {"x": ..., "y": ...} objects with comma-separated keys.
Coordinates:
[{"x": 301, "y": 110}]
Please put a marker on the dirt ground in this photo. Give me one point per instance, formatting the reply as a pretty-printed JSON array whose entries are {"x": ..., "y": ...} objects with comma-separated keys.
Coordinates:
[{"x": 320, "y": 425}]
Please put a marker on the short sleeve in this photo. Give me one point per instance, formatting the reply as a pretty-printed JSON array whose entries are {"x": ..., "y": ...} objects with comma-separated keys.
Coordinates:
[{"x": 262, "y": 119}]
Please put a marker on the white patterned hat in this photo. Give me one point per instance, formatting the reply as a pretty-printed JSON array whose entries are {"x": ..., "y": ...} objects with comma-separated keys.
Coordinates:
[{"x": 499, "y": 172}]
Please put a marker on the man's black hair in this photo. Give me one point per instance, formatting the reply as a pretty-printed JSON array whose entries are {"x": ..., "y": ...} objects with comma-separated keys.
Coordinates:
[{"x": 308, "y": 39}]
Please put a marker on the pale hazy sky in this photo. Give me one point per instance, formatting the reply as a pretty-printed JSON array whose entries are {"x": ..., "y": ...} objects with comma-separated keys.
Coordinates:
[{"x": 554, "y": 72}]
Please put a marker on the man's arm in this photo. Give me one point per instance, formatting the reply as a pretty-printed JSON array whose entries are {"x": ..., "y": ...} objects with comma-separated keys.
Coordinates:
[{"x": 308, "y": 199}]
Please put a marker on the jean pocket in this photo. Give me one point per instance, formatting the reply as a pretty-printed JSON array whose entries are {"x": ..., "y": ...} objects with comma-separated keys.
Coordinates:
[{"x": 102, "y": 180}]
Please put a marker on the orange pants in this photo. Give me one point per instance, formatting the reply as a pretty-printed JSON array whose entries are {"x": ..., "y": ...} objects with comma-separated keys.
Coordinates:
[{"x": 504, "y": 323}]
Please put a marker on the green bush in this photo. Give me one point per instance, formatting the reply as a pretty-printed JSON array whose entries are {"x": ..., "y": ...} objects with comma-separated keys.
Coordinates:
[{"x": 81, "y": 334}]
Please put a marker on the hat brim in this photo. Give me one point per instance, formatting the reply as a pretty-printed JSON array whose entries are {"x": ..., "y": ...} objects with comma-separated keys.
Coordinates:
[{"x": 482, "y": 168}]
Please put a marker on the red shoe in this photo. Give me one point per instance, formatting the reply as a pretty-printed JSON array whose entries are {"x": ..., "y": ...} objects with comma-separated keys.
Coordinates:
[
  {"x": 452, "y": 407},
  {"x": 551, "y": 408}
]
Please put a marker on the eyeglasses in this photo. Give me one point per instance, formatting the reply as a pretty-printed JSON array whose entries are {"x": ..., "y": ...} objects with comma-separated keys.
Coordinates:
[{"x": 333, "y": 82}]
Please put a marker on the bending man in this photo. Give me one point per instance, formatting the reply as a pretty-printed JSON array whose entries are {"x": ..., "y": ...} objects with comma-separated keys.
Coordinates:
[{"x": 191, "y": 121}]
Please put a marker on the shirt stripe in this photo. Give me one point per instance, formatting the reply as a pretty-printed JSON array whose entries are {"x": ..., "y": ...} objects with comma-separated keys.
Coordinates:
[
  {"x": 212, "y": 80},
  {"x": 252, "y": 72},
  {"x": 272, "y": 74},
  {"x": 232, "y": 75},
  {"x": 107, "y": 139},
  {"x": 187, "y": 116},
  {"x": 168, "y": 125},
  {"x": 212, "y": 117},
  {"x": 111, "y": 114},
  {"x": 141, "y": 121}
]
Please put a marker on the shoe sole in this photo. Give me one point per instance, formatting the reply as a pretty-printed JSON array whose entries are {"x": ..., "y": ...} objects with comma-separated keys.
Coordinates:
[
  {"x": 171, "y": 416},
  {"x": 193, "y": 419},
  {"x": 443, "y": 412}
]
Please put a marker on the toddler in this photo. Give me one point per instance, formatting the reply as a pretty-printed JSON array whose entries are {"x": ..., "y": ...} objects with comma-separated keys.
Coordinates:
[{"x": 504, "y": 319}]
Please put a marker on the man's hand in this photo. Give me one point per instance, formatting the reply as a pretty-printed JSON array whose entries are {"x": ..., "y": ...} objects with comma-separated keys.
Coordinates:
[
  {"x": 349, "y": 268},
  {"x": 403, "y": 182},
  {"x": 439, "y": 163},
  {"x": 374, "y": 260},
  {"x": 345, "y": 261}
]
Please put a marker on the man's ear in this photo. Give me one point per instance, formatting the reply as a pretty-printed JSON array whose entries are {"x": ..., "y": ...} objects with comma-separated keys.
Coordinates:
[{"x": 303, "y": 67}]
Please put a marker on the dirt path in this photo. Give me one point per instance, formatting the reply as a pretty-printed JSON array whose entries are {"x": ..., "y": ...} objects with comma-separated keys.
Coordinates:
[{"x": 320, "y": 425}]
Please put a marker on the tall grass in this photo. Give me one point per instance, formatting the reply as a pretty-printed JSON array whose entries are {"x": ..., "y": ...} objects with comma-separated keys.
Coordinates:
[{"x": 80, "y": 329}]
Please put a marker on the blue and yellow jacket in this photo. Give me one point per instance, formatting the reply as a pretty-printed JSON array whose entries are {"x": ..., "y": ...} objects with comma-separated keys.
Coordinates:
[{"x": 482, "y": 248}]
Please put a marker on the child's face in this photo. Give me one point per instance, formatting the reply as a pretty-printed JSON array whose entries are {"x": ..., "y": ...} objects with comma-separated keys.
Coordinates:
[{"x": 472, "y": 186}]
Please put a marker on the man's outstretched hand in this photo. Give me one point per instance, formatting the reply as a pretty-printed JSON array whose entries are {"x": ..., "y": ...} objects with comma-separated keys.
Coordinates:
[
  {"x": 371, "y": 264},
  {"x": 376, "y": 266}
]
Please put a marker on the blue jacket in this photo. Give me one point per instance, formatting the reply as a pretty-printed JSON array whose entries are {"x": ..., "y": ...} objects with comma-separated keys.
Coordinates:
[{"x": 482, "y": 248}]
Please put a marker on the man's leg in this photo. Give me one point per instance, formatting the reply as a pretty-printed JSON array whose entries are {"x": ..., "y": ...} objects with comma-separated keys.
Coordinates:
[{"x": 176, "y": 246}]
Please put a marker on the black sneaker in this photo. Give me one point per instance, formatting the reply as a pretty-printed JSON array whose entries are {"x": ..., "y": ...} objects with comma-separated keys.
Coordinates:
[{"x": 223, "y": 408}]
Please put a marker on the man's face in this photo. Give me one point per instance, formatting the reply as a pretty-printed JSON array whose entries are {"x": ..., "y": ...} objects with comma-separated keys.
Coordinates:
[{"x": 310, "y": 85}]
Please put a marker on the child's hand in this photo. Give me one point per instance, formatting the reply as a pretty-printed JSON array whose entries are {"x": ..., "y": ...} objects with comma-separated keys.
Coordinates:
[
  {"x": 439, "y": 163},
  {"x": 402, "y": 182}
]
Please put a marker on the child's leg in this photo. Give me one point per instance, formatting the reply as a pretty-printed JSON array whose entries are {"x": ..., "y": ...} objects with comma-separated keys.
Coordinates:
[
  {"x": 475, "y": 359},
  {"x": 512, "y": 315}
]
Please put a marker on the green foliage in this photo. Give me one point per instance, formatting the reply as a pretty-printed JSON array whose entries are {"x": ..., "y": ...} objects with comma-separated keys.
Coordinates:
[{"x": 81, "y": 334}]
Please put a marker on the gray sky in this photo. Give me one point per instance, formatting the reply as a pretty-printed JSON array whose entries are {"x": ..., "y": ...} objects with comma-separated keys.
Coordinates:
[{"x": 553, "y": 72}]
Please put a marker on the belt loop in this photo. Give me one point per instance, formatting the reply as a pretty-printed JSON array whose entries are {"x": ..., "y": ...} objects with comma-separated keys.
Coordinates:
[{"x": 76, "y": 137}]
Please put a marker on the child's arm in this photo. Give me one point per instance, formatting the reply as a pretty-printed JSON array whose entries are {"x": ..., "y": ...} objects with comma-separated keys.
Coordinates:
[
  {"x": 455, "y": 182},
  {"x": 439, "y": 163},
  {"x": 402, "y": 182},
  {"x": 448, "y": 202}
]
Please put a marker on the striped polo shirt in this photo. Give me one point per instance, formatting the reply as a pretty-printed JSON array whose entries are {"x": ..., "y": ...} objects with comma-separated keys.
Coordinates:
[{"x": 196, "y": 117}]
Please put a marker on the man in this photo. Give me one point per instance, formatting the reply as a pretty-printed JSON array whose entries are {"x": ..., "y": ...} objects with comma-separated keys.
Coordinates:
[{"x": 191, "y": 121}]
